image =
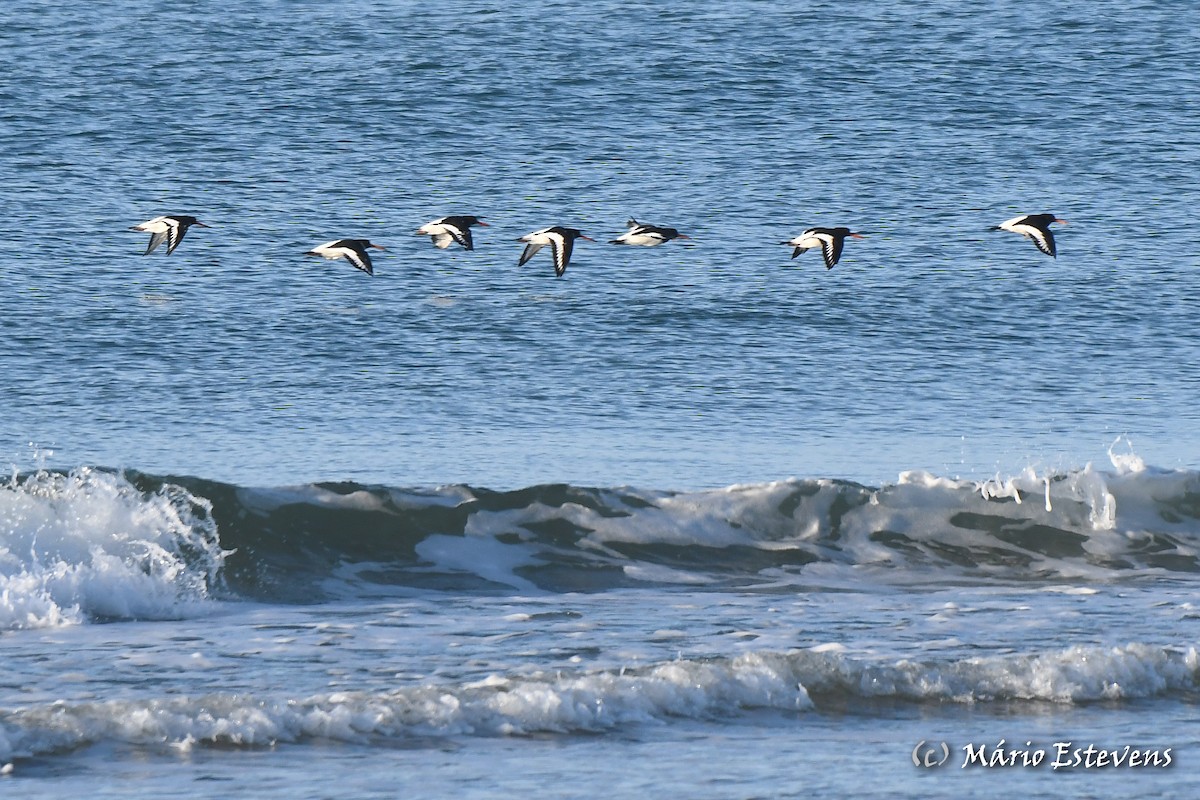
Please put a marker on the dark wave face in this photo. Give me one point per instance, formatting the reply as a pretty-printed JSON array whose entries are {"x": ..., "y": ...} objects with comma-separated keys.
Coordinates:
[
  {"x": 301, "y": 542},
  {"x": 102, "y": 544}
]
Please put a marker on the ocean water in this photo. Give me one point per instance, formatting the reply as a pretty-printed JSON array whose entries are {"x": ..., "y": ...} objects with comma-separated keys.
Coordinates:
[{"x": 695, "y": 520}]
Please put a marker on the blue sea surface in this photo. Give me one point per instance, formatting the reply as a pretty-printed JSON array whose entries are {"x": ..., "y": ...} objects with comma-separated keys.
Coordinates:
[
  {"x": 690, "y": 378},
  {"x": 934, "y": 344}
]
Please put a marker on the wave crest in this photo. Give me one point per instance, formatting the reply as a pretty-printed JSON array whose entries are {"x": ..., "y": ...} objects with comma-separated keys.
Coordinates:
[
  {"x": 605, "y": 700},
  {"x": 1079, "y": 525},
  {"x": 94, "y": 543},
  {"x": 88, "y": 544}
]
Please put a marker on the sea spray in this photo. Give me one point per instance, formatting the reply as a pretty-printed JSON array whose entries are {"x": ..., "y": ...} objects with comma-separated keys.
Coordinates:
[{"x": 87, "y": 544}]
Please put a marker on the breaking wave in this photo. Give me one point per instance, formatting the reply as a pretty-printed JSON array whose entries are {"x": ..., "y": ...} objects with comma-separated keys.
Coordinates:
[
  {"x": 89, "y": 545},
  {"x": 604, "y": 700},
  {"x": 102, "y": 544}
]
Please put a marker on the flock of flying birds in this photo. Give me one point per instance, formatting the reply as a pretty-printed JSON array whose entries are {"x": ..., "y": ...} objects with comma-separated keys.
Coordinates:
[{"x": 457, "y": 229}]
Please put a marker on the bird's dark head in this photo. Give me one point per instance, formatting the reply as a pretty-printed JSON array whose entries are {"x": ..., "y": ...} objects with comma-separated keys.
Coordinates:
[
  {"x": 366, "y": 243},
  {"x": 570, "y": 233},
  {"x": 1044, "y": 219}
]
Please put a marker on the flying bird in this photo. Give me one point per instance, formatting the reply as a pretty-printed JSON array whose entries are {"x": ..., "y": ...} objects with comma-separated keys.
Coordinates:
[
  {"x": 445, "y": 230},
  {"x": 169, "y": 229},
  {"x": 353, "y": 250},
  {"x": 647, "y": 235},
  {"x": 1037, "y": 228},
  {"x": 830, "y": 240},
  {"x": 561, "y": 241}
]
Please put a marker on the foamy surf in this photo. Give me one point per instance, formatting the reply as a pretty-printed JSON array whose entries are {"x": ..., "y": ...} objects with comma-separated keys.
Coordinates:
[
  {"x": 608, "y": 700},
  {"x": 99, "y": 544},
  {"x": 1082, "y": 524},
  {"x": 87, "y": 544}
]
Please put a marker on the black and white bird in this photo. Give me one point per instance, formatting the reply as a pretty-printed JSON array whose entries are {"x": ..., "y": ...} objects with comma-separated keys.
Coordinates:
[
  {"x": 561, "y": 241},
  {"x": 830, "y": 240},
  {"x": 1037, "y": 228},
  {"x": 353, "y": 250},
  {"x": 451, "y": 229},
  {"x": 647, "y": 235},
  {"x": 169, "y": 229}
]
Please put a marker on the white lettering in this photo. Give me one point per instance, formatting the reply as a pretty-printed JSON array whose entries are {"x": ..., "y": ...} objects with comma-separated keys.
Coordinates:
[
  {"x": 974, "y": 756},
  {"x": 1062, "y": 751},
  {"x": 1066, "y": 756}
]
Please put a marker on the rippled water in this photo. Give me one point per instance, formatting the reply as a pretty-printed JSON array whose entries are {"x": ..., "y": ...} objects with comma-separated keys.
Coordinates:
[{"x": 936, "y": 344}]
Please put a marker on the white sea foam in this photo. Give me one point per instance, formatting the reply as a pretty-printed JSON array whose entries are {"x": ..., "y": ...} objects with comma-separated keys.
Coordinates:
[
  {"x": 599, "y": 701},
  {"x": 90, "y": 544},
  {"x": 1076, "y": 674},
  {"x": 484, "y": 556},
  {"x": 498, "y": 705},
  {"x": 655, "y": 573},
  {"x": 1080, "y": 524}
]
